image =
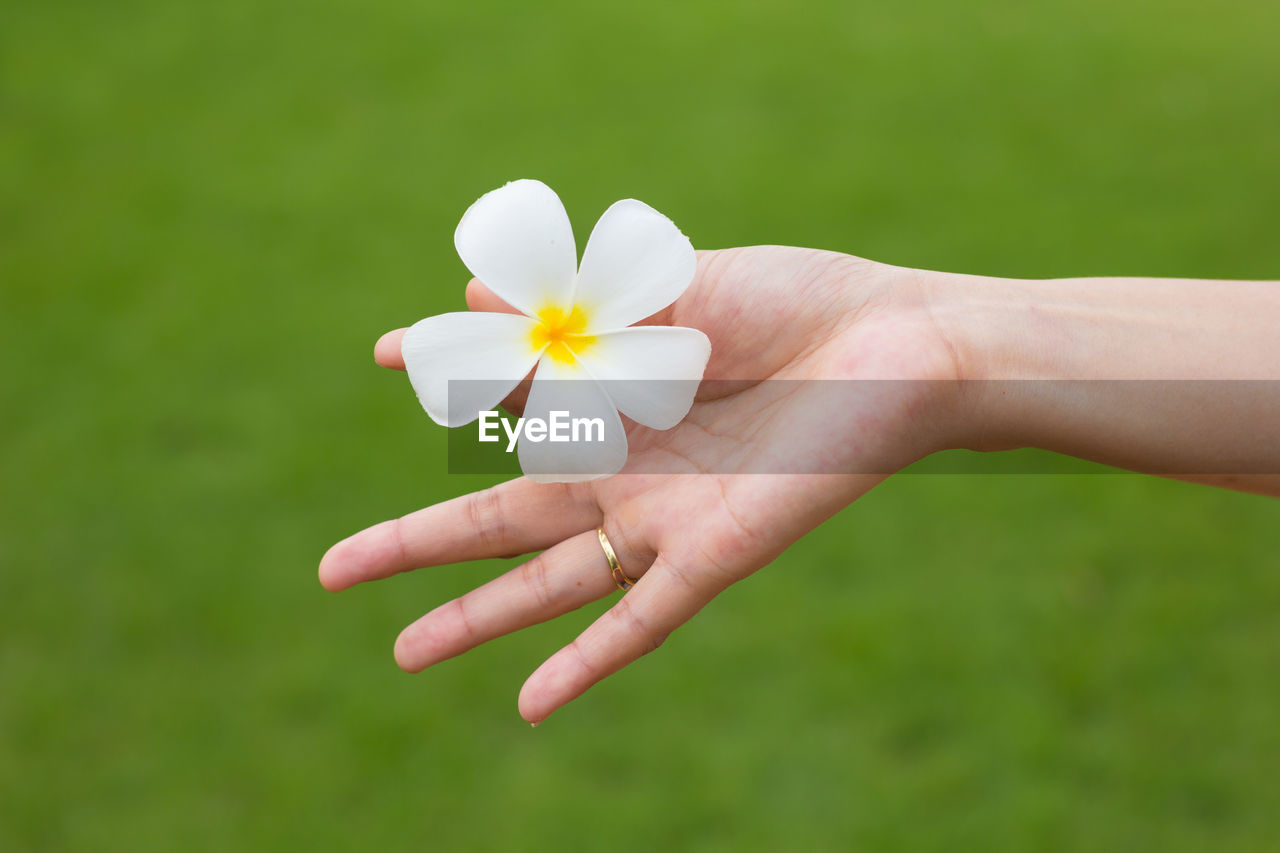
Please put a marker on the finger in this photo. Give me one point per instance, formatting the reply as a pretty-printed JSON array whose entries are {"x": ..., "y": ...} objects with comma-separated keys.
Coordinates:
[
  {"x": 386, "y": 351},
  {"x": 559, "y": 580},
  {"x": 481, "y": 298},
  {"x": 662, "y": 601},
  {"x": 511, "y": 518}
]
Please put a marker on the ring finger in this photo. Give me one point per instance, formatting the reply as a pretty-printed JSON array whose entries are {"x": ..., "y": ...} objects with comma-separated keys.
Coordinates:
[{"x": 563, "y": 578}]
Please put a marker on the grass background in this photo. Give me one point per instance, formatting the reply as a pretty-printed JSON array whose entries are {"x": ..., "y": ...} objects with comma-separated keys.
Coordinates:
[{"x": 208, "y": 212}]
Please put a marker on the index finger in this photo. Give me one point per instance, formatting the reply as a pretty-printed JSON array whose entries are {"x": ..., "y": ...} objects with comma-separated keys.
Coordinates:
[{"x": 512, "y": 518}]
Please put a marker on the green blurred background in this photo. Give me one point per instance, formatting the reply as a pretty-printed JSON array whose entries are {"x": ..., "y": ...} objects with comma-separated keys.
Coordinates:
[{"x": 209, "y": 211}]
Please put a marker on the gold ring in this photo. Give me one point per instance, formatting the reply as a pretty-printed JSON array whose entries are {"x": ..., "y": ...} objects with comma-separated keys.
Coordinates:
[{"x": 619, "y": 576}]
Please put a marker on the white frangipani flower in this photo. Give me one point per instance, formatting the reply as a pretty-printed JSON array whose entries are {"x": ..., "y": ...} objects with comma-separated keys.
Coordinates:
[{"x": 572, "y": 327}]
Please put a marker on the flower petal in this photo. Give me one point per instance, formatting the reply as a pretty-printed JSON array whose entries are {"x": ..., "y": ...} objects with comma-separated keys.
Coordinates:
[
  {"x": 568, "y": 391},
  {"x": 650, "y": 372},
  {"x": 518, "y": 241},
  {"x": 636, "y": 263},
  {"x": 485, "y": 356}
]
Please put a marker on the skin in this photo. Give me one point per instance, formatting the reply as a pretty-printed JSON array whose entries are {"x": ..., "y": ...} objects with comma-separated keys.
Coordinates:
[{"x": 787, "y": 313}]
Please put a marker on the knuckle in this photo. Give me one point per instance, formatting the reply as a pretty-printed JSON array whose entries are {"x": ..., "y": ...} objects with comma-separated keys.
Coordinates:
[
  {"x": 648, "y": 636},
  {"x": 583, "y": 659},
  {"x": 486, "y": 518},
  {"x": 398, "y": 546},
  {"x": 467, "y": 627},
  {"x": 683, "y": 576},
  {"x": 537, "y": 578},
  {"x": 708, "y": 566}
]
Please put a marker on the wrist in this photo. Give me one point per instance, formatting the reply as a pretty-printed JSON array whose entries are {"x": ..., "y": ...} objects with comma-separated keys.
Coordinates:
[
  {"x": 902, "y": 335},
  {"x": 994, "y": 326},
  {"x": 996, "y": 329}
]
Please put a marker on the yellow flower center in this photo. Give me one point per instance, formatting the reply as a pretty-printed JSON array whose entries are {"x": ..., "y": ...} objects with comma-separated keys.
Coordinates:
[{"x": 561, "y": 332}]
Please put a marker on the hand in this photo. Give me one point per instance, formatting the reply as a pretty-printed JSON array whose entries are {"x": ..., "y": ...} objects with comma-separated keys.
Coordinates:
[{"x": 772, "y": 313}]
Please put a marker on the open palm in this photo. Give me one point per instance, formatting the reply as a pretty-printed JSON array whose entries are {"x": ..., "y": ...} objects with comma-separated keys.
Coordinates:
[{"x": 767, "y": 452}]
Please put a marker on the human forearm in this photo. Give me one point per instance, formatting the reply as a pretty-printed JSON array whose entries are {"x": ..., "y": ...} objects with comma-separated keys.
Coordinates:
[
  {"x": 1111, "y": 328},
  {"x": 1128, "y": 372}
]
